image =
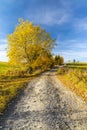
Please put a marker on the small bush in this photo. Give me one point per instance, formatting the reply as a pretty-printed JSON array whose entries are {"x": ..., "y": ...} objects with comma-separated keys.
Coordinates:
[{"x": 61, "y": 71}]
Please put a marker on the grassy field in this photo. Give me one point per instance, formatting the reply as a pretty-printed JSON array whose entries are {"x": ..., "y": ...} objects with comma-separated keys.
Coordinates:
[
  {"x": 4, "y": 66},
  {"x": 77, "y": 65},
  {"x": 75, "y": 78},
  {"x": 11, "y": 83}
]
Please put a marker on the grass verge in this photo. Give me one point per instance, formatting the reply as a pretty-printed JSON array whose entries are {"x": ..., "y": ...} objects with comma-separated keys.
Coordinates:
[
  {"x": 10, "y": 87},
  {"x": 76, "y": 80}
]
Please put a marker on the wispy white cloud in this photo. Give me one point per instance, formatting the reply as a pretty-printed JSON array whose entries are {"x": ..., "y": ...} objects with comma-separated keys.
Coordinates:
[
  {"x": 72, "y": 49},
  {"x": 49, "y": 16},
  {"x": 3, "y": 40},
  {"x": 74, "y": 54},
  {"x": 80, "y": 24},
  {"x": 71, "y": 54},
  {"x": 75, "y": 43},
  {"x": 3, "y": 47},
  {"x": 3, "y": 56},
  {"x": 3, "y": 52}
]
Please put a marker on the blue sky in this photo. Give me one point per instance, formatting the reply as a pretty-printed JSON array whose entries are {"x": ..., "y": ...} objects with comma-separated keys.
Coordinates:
[{"x": 66, "y": 20}]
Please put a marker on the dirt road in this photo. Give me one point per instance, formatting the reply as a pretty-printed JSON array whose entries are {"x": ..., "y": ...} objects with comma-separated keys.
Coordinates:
[{"x": 46, "y": 104}]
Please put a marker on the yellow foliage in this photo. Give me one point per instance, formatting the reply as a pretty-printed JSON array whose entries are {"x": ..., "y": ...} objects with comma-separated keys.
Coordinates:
[{"x": 27, "y": 43}]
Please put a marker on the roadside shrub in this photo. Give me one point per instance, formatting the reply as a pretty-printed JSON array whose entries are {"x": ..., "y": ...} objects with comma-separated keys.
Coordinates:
[
  {"x": 61, "y": 71},
  {"x": 16, "y": 73}
]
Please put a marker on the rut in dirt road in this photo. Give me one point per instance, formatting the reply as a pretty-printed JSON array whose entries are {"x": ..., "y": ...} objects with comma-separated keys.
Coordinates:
[{"x": 46, "y": 104}]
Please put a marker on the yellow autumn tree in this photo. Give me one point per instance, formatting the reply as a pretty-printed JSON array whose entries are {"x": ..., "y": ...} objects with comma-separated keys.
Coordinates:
[
  {"x": 44, "y": 61},
  {"x": 27, "y": 43}
]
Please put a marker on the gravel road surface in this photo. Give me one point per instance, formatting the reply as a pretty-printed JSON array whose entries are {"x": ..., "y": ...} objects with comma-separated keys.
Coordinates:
[{"x": 46, "y": 104}]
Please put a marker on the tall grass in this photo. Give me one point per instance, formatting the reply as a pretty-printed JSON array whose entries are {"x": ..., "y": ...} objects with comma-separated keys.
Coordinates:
[
  {"x": 75, "y": 79},
  {"x": 12, "y": 80}
]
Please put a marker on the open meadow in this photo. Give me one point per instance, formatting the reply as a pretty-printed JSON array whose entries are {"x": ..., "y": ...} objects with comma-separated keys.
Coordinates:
[
  {"x": 12, "y": 80},
  {"x": 79, "y": 65}
]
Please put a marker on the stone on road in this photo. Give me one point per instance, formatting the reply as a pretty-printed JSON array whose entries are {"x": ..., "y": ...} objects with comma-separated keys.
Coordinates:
[{"x": 46, "y": 104}]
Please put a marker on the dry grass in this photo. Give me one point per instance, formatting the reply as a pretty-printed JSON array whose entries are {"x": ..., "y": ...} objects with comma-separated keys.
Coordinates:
[
  {"x": 79, "y": 86},
  {"x": 10, "y": 85}
]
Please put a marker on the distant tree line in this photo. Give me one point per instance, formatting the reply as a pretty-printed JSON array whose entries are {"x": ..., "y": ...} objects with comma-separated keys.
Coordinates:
[{"x": 58, "y": 60}]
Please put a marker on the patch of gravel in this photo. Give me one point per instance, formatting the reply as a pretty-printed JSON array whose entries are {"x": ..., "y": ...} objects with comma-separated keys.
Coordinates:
[{"x": 47, "y": 104}]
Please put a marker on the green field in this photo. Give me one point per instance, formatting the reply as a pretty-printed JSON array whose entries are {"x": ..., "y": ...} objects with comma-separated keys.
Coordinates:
[
  {"x": 8, "y": 87},
  {"x": 4, "y": 66},
  {"x": 80, "y": 65},
  {"x": 11, "y": 83}
]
